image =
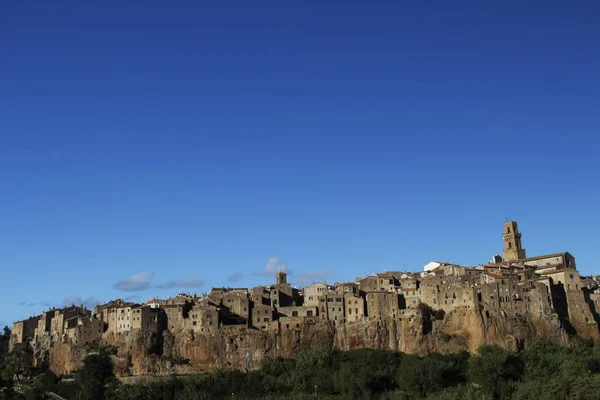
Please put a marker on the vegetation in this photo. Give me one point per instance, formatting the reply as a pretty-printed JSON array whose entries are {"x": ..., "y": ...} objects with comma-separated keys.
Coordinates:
[{"x": 545, "y": 370}]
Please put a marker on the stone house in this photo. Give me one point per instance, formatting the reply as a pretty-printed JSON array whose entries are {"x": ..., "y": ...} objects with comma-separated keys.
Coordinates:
[
  {"x": 355, "y": 307},
  {"x": 204, "y": 319},
  {"x": 411, "y": 296},
  {"x": 331, "y": 306},
  {"x": 347, "y": 288},
  {"x": 260, "y": 295},
  {"x": 124, "y": 317},
  {"x": 108, "y": 314},
  {"x": 449, "y": 292},
  {"x": 236, "y": 304},
  {"x": 44, "y": 325},
  {"x": 84, "y": 330},
  {"x": 282, "y": 294},
  {"x": 382, "y": 305},
  {"x": 57, "y": 323},
  {"x": 176, "y": 315},
  {"x": 262, "y": 316},
  {"x": 387, "y": 282},
  {"x": 149, "y": 318},
  {"x": 367, "y": 284},
  {"x": 24, "y": 331},
  {"x": 312, "y": 293}
]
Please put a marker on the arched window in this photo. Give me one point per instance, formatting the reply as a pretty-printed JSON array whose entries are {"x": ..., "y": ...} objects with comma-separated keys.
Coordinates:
[
  {"x": 508, "y": 230},
  {"x": 510, "y": 245}
]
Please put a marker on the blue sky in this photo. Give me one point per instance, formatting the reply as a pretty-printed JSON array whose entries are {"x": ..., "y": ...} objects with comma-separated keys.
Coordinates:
[{"x": 147, "y": 148}]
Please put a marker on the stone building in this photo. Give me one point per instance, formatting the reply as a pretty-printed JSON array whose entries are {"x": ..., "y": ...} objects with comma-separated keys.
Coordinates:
[
  {"x": 24, "y": 331},
  {"x": 262, "y": 316},
  {"x": 513, "y": 249},
  {"x": 382, "y": 305},
  {"x": 260, "y": 295},
  {"x": 367, "y": 284},
  {"x": 312, "y": 293},
  {"x": 44, "y": 325},
  {"x": 448, "y": 292},
  {"x": 331, "y": 306},
  {"x": 108, "y": 314},
  {"x": 282, "y": 294},
  {"x": 387, "y": 282},
  {"x": 569, "y": 300},
  {"x": 355, "y": 307},
  {"x": 84, "y": 330},
  {"x": 347, "y": 288},
  {"x": 57, "y": 323},
  {"x": 236, "y": 305},
  {"x": 204, "y": 319},
  {"x": 149, "y": 318},
  {"x": 124, "y": 318}
]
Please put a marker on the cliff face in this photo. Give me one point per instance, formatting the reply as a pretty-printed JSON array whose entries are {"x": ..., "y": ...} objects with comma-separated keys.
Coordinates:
[{"x": 241, "y": 348}]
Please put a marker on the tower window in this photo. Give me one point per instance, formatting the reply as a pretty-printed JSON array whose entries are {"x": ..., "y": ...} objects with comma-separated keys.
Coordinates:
[
  {"x": 510, "y": 245},
  {"x": 508, "y": 230}
]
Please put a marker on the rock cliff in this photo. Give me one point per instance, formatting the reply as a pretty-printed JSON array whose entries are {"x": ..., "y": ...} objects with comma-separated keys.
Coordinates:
[{"x": 138, "y": 353}]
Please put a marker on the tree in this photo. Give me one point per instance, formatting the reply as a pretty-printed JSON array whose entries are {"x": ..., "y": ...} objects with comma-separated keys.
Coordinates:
[
  {"x": 496, "y": 371},
  {"x": 93, "y": 376},
  {"x": 17, "y": 362}
]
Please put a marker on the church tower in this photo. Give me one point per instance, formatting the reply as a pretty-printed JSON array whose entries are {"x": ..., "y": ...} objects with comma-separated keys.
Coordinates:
[
  {"x": 281, "y": 278},
  {"x": 512, "y": 242}
]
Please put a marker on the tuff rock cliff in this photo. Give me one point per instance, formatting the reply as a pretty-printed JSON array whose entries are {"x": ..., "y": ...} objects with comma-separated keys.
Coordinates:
[{"x": 138, "y": 353}]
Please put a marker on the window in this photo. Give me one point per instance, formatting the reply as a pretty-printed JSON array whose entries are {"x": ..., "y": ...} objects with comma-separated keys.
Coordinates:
[
  {"x": 294, "y": 313},
  {"x": 194, "y": 323}
]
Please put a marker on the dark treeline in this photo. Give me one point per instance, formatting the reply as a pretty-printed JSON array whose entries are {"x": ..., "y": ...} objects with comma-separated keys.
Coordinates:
[{"x": 545, "y": 370}]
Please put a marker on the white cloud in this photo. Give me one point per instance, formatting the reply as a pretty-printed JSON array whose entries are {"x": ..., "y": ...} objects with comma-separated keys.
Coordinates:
[
  {"x": 33, "y": 304},
  {"x": 309, "y": 277},
  {"x": 88, "y": 303},
  {"x": 135, "y": 282},
  {"x": 273, "y": 266},
  {"x": 187, "y": 283},
  {"x": 236, "y": 277},
  {"x": 135, "y": 298}
]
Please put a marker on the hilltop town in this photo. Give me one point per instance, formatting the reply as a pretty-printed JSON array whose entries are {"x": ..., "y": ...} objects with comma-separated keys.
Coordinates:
[{"x": 546, "y": 287}]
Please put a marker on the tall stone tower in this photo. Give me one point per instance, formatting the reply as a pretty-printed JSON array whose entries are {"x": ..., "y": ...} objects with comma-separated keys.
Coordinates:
[
  {"x": 512, "y": 242},
  {"x": 281, "y": 277}
]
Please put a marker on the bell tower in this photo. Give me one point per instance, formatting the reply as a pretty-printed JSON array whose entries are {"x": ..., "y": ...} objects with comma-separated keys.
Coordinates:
[
  {"x": 281, "y": 278},
  {"x": 512, "y": 242}
]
